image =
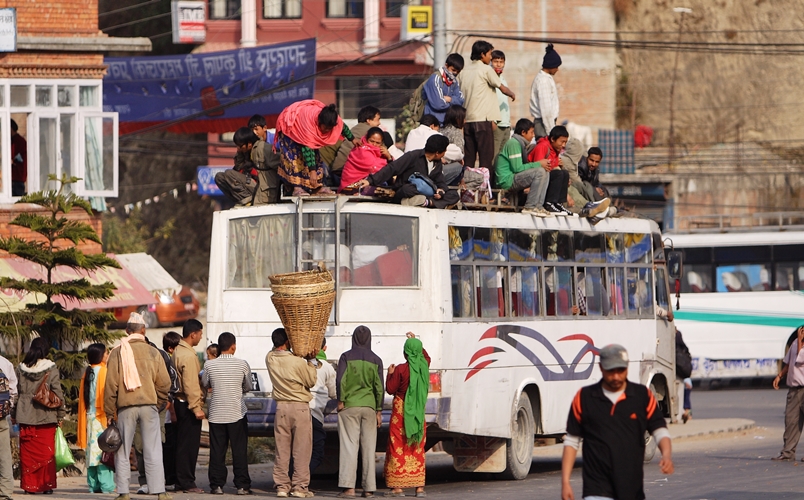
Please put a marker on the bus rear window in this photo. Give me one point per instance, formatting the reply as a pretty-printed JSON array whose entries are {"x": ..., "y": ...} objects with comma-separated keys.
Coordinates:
[
  {"x": 260, "y": 247},
  {"x": 379, "y": 250}
]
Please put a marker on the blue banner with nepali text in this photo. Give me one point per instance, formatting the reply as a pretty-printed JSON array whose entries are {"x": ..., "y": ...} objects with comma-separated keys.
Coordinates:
[{"x": 149, "y": 90}]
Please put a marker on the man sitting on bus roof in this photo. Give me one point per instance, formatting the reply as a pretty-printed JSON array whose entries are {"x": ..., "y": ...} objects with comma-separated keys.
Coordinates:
[{"x": 419, "y": 178}]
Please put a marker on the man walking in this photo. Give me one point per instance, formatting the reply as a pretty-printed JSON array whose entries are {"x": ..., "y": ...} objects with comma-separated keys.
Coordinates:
[
  {"x": 137, "y": 386},
  {"x": 291, "y": 380},
  {"x": 793, "y": 369},
  {"x": 611, "y": 417},
  {"x": 8, "y": 388},
  {"x": 360, "y": 395},
  {"x": 187, "y": 403},
  {"x": 228, "y": 378}
]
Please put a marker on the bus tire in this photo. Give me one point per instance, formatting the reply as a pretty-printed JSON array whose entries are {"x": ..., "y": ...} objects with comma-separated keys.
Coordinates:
[{"x": 519, "y": 449}]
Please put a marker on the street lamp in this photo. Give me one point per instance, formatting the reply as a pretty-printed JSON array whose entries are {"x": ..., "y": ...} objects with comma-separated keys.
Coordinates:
[{"x": 682, "y": 11}]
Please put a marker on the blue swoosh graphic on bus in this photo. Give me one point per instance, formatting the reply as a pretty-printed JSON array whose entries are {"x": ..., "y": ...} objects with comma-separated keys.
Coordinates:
[{"x": 569, "y": 371}]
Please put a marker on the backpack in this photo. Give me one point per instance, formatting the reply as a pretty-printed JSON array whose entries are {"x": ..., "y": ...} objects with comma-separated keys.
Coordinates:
[
  {"x": 5, "y": 396},
  {"x": 417, "y": 102},
  {"x": 683, "y": 360}
]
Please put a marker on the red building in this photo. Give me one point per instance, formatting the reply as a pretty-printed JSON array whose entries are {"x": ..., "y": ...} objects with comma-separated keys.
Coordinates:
[{"x": 344, "y": 30}]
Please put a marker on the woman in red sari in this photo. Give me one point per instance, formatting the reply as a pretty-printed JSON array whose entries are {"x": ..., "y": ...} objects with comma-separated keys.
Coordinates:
[
  {"x": 404, "y": 456},
  {"x": 368, "y": 158},
  {"x": 37, "y": 422}
]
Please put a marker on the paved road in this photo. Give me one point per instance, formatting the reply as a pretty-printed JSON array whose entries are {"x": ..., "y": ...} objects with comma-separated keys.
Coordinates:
[{"x": 734, "y": 466}]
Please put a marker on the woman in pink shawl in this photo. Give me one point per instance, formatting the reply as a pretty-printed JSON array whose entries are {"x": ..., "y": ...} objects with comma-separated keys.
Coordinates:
[
  {"x": 364, "y": 160},
  {"x": 301, "y": 130}
]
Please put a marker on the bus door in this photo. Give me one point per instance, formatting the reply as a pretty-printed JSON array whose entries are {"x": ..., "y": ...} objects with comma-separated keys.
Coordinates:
[{"x": 665, "y": 329}]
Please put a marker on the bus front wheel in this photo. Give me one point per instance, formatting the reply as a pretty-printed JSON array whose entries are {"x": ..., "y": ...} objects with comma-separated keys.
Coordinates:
[{"x": 519, "y": 452}]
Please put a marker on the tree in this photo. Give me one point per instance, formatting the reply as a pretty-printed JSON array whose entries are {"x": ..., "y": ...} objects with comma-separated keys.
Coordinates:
[{"x": 56, "y": 247}]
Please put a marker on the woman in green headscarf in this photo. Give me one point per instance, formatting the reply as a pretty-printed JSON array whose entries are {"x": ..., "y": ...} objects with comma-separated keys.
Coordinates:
[{"x": 409, "y": 383}]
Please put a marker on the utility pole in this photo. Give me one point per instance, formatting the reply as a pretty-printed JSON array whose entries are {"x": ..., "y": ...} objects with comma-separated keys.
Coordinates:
[
  {"x": 672, "y": 152},
  {"x": 439, "y": 33}
]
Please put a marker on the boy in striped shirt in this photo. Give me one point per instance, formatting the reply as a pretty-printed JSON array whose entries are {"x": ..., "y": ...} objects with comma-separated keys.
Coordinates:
[{"x": 229, "y": 378}]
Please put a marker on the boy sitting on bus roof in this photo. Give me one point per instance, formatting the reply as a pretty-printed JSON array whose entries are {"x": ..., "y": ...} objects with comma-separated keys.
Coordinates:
[
  {"x": 515, "y": 175},
  {"x": 419, "y": 178}
]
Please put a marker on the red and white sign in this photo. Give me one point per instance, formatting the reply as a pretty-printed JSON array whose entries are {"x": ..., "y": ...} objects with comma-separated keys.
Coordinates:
[{"x": 189, "y": 21}]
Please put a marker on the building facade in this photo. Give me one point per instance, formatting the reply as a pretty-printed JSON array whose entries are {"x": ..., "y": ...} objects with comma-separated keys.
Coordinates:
[{"x": 51, "y": 115}]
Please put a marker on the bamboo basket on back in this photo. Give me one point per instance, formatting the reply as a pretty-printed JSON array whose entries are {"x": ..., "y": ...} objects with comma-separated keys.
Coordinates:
[{"x": 304, "y": 302}]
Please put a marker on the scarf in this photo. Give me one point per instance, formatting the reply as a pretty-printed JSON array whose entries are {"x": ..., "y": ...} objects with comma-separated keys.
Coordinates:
[
  {"x": 299, "y": 122},
  {"x": 322, "y": 355},
  {"x": 447, "y": 76},
  {"x": 416, "y": 397},
  {"x": 131, "y": 377},
  {"x": 100, "y": 414},
  {"x": 523, "y": 144},
  {"x": 363, "y": 161}
]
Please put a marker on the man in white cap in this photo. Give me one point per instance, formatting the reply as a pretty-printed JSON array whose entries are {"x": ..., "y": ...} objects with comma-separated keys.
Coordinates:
[
  {"x": 611, "y": 417},
  {"x": 137, "y": 386}
]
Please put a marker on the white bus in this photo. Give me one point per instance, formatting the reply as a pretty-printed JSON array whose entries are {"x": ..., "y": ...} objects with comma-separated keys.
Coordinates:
[
  {"x": 490, "y": 294},
  {"x": 741, "y": 299}
]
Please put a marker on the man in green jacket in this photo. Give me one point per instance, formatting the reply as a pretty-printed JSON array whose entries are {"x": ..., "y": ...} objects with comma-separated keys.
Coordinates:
[
  {"x": 516, "y": 176},
  {"x": 360, "y": 395}
]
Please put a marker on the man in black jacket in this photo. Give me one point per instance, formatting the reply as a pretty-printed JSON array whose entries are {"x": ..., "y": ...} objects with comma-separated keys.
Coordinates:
[
  {"x": 419, "y": 178},
  {"x": 589, "y": 172}
]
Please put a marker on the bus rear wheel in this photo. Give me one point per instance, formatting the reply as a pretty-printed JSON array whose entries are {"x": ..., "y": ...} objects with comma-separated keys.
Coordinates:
[{"x": 519, "y": 452}]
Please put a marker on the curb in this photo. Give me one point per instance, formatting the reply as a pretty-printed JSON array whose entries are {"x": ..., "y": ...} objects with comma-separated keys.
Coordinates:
[{"x": 739, "y": 425}]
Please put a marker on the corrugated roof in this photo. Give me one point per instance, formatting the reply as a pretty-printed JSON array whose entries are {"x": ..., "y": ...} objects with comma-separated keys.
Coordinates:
[{"x": 149, "y": 272}]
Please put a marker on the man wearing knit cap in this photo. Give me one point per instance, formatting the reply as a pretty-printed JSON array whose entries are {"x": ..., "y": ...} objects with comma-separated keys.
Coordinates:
[
  {"x": 544, "y": 95},
  {"x": 137, "y": 386}
]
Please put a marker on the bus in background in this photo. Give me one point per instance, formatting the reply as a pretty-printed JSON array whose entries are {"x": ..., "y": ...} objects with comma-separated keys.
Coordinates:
[
  {"x": 741, "y": 299},
  {"x": 512, "y": 309}
]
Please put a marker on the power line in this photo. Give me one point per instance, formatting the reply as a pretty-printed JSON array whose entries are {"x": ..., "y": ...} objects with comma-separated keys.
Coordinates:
[
  {"x": 135, "y": 22},
  {"x": 149, "y": 2}
]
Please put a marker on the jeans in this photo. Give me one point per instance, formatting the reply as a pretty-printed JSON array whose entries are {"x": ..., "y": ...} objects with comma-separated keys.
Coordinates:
[
  {"x": 558, "y": 186},
  {"x": 537, "y": 179}
]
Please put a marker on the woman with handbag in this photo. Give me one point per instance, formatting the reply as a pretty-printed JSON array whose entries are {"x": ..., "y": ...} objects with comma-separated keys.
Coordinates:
[
  {"x": 39, "y": 412},
  {"x": 92, "y": 420}
]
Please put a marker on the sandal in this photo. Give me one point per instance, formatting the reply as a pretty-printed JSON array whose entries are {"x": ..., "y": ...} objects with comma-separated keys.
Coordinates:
[
  {"x": 345, "y": 495},
  {"x": 297, "y": 191},
  {"x": 392, "y": 493},
  {"x": 323, "y": 190},
  {"x": 368, "y": 494}
]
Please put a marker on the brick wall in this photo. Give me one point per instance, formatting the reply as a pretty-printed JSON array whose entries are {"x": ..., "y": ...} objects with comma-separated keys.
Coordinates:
[
  {"x": 55, "y": 17},
  {"x": 9, "y": 212},
  {"x": 586, "y": 81}
]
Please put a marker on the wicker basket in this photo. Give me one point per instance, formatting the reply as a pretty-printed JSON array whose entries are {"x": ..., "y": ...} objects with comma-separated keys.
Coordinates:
[
  {"x": 302, "y": 278},
  {"x": 311, "y": 290},
  {"x": 305, "y": 320}
]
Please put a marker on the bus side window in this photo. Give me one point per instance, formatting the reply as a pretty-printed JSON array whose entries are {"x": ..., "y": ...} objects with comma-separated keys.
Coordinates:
[
  {"x": 558, "y": 246},
  {"x": 697, "y": 278},
  {"x": 490, "y": 292},
  {"x": 558, "y": 286},
  {"x": 525, "y": 300},
  {"x": 591, "y": 287},
  {"x": 789, "y": 276},
  {"x": 616, "y": 292},
  {"x": 637, "y": 248},
  {"x": 462, "y": 292},
  {"x": 661, "y": 289},
  {"x": 382, "y": 250},
  {"x": 743, "y": 278},
  {"x": 260, "y": 247},
  {"x": 640, "y": 291}
]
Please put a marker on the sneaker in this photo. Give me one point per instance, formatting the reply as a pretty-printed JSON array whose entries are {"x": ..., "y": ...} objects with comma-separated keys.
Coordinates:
[
  {"x": 612, "y": 211},
  {"x": 567, "y": 212},
  {"x": 553, "y": 209},
  {"x": 216, "y": 491},
  {"x": 535, "y": 211},
  {"x": 170, "y": 487},
  {"x": 244, "y": 491},
  {"x": 164, "y": 496},
  {"x": 414, "y": 201},
  {"x": 282, "y": 494},
  {"x": 307, "y": 494},
  {"x": 783, "y": 458},
  {"x": 594, "y": 208},
  {"x": 143, "y": 490}
]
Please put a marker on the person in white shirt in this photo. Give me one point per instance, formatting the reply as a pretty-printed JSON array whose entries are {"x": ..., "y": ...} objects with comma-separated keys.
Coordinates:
[
  {"x": 544, "y": 95},
  {"x": 417, "y": 138},
  {"x": 6, "y": 460},
  {"x": 323, "y": 391}
]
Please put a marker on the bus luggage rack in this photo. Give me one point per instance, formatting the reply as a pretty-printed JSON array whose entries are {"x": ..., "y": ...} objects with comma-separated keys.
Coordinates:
[
  {"x": 475, "y": 200},
  {"x": 740, "y": 222}
]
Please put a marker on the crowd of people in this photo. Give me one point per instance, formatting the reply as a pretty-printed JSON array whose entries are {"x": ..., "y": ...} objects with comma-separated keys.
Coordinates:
[{"x": 465, "y": 144}]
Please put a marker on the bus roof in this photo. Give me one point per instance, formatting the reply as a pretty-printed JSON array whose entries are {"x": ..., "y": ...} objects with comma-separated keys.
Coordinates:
[{"x": 698, "y": 240}]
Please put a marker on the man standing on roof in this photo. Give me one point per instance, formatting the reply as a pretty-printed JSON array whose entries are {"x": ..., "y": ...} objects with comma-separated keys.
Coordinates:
[{"x": 611, "y": 417}]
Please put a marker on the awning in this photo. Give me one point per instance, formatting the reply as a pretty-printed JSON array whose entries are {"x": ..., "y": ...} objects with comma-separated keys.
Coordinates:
[
  {"x": 149, "y": 272},
  {"x": 129, "y": 292}
]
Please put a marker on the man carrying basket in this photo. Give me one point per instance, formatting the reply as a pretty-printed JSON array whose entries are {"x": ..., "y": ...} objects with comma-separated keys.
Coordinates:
[{"x": 291, "y": 378}]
